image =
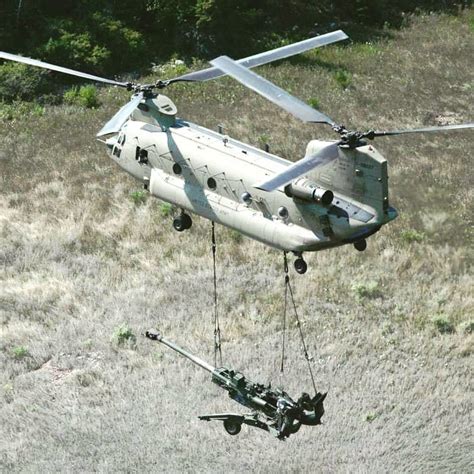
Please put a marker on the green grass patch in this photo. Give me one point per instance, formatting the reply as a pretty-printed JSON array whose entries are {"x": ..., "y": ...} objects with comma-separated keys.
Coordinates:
[
  {"x": 365, "y": 49},
  {"x": 367, "y": 290},
  {"x": 138, "y": 197},
  {"x": 20, "y": 352},
  {"x": 314, "y": 102},
  {"x": 343, "y": 78},
  {"x": 84, "y": 96},
  {"x": 411, "y": 235},
  {"x": 443, "y": 325},
  {"x": 263, "y": 140},
  {"x": 123, "y": 336},
  {"x": 166, "y": 209}
]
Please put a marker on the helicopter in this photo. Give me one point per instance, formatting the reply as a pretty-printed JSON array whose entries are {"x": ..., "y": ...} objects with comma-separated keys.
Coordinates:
[{"x": 336, "y": 194}]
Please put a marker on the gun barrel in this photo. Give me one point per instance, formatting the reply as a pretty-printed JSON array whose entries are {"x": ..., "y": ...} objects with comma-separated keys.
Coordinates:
[{"x": 156, "y": 336}]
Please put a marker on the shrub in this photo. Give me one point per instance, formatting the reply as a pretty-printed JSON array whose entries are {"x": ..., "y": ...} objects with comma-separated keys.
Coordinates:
[
  {"x": 84, "y": 96},
  {"x": 368, "y": 290},
  {"x": 19, "y": 352},
  {"x": 467, "y": 327},
  {"x": 370, "y": 417},
  {"x": 264, "y": 139},
  {"x": 138, "y": 197},
  {"x": 443, "y": 325},
  {"x": 22, "y": 82},
  {"x": 314, "y": 102},
  {"x": 412, "y": 235},
  {"x": 76, "y": 50},
  {"x": 343, "y": 78},
  {"x": 123, "y": 335},
  {"x": 166, "y": 209},
  {"x": 19, "y": 109}
]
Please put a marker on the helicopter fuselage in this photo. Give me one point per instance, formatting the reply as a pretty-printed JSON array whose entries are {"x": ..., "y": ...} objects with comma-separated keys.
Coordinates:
[{"x": 214, "y": 176}]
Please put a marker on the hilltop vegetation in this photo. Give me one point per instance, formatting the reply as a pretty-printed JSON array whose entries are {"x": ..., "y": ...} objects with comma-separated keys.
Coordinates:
[
  {"x": 110, "y": 37},
  {"x": 89, "y": 263},
  {"x": 126, "y": 38}
]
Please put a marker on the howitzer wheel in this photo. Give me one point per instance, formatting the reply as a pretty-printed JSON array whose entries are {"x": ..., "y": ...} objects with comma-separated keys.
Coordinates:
[{"x": 232, "y": 427}]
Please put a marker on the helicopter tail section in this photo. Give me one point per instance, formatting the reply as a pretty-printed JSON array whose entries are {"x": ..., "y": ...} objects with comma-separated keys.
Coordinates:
[{"x": 359, "y": 174}]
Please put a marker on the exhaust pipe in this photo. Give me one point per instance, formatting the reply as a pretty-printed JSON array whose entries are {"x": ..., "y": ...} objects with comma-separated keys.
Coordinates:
[{"x": 307, "y": 190}]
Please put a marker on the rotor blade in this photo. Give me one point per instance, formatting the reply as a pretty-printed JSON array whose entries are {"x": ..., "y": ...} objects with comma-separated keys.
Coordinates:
[
  {"x": 267, "y": 56},
  {"x": 115, "y": 123},
  {"x": 270, "y": 91},
  {"x": 301, "y": 167},
  {"x": 52, "y": 67},
  {"x": 441, "y": 128}
]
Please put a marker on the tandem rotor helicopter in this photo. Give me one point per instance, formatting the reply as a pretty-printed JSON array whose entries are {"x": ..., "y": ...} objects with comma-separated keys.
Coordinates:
[{"x": 336, "y": 194}]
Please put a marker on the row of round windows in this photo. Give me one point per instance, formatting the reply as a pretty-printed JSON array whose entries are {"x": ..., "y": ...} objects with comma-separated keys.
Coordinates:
[
  {"x": 211, "y": 182},
  {"x": 246, "y": 197}
]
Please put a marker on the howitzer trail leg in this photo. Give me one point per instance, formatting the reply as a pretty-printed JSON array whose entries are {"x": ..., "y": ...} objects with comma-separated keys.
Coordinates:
[{"x": 233, "y": 422}]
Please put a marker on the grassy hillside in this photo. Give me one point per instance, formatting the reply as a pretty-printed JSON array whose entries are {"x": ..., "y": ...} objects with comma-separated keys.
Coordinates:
[{"x": 88, "y": 266}]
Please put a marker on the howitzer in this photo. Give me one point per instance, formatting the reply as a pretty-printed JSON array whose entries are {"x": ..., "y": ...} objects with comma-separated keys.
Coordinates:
[{"x": 272, "y": 410}]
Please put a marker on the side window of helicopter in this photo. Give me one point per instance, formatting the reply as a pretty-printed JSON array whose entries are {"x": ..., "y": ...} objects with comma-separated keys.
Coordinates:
[
  {"x": 117, "y": 149},
  {"x": 211, "y": 183},
  {"x": 121, "y": 139},
  {"x": 141, "y": 155}
]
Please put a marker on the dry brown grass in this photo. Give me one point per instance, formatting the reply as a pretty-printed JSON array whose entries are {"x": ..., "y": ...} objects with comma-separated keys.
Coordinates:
[{"x": 79, "y": 259}]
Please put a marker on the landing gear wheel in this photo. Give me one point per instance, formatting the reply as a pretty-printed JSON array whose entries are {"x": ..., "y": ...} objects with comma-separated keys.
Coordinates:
[
  {"x": 232, "y": 427},
  {"x": 187, "y": 220},
  {"x": 300, "y": 266},
  {"x": 179, "y": 224},
  {"x": 182, "y": 222},
  {"x": 360, "y": 245}
]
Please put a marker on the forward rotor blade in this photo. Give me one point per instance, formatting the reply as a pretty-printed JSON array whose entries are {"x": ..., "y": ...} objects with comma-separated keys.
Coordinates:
[
  {"x": 266, "y": 57},
  {"x": 270, "y": 91},
  {"x": 115, "y": 123},
  {"x": 322, "y": 157},
  {"x": 441, "y": 128},
  {"x": 52, "y": 67}
]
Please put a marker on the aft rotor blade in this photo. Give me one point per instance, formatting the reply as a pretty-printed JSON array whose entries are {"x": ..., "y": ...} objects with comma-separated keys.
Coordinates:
[
  {"x": 115, "y": 123},
  {"x": 270, "y": 91},
  {"x": 52, "y": 67},
  {"x": 441, "y": 128},
  {"x": 301, "y": 167},
  {"x": 266, "y": 57}
]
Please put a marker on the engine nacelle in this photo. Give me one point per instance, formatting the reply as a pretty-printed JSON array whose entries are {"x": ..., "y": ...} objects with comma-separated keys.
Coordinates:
[{"x": 303, "y": 188}]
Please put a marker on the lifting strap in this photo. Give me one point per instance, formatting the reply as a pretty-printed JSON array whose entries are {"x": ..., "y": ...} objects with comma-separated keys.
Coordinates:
[
  {"x": 289, "y": 290},
  {"x": 217, "y": 329}
]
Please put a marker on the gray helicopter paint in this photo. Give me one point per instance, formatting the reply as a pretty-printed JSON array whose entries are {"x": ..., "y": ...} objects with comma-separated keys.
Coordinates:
[{"x": 235, "y": 167}]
